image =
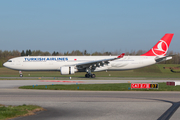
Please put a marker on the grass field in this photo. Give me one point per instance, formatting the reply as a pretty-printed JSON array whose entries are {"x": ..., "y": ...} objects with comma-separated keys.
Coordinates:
[
  {"x": 153, "y": 71},
  {"x": 101, "y": 87},
  {"x": 7, "y": 112}
]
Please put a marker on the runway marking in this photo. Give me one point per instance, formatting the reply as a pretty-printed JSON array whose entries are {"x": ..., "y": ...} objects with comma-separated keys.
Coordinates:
[{"x": 63, "y": 81}]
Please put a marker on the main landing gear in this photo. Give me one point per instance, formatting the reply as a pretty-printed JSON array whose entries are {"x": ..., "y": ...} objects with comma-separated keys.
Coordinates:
[{"x": 88, "y": 75}]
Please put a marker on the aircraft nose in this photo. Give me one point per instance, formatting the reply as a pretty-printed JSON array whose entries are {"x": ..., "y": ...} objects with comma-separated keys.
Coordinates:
[{"x": 4, "y": 64}]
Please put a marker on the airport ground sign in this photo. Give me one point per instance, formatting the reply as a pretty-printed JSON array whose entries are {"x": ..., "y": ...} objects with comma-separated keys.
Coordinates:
[{"x": 144, "y": 86}]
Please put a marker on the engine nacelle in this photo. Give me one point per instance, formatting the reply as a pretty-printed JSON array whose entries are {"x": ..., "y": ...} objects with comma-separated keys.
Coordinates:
[{"x": 67, "y": 70}]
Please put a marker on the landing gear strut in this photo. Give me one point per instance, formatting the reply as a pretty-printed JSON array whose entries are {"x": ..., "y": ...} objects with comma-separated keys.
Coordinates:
[
  {"x": 88, "y": 75},
  {"x": 20, "y": 74}
]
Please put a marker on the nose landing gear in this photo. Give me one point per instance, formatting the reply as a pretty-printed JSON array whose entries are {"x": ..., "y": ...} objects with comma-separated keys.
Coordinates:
[{"x": 20, "y": 74}]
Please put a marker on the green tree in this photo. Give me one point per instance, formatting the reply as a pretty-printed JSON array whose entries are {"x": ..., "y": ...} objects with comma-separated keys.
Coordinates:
[
  {"x": 30, "y": 53},
  {"x": 23, "y": 53},
  {"x": 46, "y": 53},
  {"x": 27, "y": 52},
  {"x": 55, "y": 53},
  {"x": 96, "y": 53},
  {"x": 15, "y": 53},
  {"x": 85, "y": 52}
]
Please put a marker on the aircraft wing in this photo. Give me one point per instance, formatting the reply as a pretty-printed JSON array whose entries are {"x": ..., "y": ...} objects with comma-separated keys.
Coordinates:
[{"x": 97, "y": 63}]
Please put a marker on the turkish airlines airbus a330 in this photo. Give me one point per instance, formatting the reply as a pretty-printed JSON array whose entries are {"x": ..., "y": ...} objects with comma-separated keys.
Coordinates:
[{"x": 72, "y": 64}]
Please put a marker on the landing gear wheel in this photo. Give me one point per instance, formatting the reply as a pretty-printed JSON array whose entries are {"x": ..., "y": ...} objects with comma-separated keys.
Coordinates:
[
  {"x": 93, "y": 75},
  {"x": 21, "y": 75},
  {"x": 88, "y": 76}
]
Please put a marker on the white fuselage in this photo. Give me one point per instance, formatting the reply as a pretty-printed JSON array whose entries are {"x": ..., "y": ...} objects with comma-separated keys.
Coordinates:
[{"x": 54, "y": 63}]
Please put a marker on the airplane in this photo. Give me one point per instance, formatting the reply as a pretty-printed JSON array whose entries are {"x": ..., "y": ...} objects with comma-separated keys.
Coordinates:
[{"x": 71, "y": 64}]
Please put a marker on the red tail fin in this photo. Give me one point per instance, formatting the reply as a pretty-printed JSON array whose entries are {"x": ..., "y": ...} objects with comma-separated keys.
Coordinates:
[{"x": 161, "y": 47}]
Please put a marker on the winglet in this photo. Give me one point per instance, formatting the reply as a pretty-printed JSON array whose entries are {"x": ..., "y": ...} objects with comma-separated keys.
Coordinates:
[{"x": 121, "y": 56}]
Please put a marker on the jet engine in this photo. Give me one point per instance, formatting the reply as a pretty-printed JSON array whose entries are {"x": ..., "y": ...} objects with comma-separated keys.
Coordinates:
[{"x": 67, "y": 70}]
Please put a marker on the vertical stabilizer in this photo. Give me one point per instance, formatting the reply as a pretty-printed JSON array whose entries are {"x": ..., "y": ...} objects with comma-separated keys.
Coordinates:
[{"x": 161, "y": 47}]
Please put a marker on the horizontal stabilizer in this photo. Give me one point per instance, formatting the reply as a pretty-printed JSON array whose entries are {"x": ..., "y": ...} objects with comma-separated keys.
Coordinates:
[{"x": 160, "y": 59}]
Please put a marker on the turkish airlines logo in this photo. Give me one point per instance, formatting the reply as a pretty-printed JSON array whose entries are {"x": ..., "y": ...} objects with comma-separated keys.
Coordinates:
[{"x": 160, "y": 48}]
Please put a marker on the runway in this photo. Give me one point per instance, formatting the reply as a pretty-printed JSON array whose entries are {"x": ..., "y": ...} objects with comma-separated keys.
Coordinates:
[
  {"x": 10, "y": 84},
  {"x": 93, "y": 105}
]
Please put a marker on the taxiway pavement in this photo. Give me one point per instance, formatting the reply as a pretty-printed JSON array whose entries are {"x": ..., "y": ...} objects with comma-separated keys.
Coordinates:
[
  {"x": 16, "y": 83},
  {"x": 91, "y": 105}
]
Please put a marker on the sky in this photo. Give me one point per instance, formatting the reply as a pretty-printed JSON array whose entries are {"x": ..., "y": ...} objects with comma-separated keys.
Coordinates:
[{"x": 92, "y": 25}]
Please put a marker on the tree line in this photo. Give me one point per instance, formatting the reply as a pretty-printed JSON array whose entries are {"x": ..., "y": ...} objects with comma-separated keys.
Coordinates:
[{"x": 5, "y": 55}]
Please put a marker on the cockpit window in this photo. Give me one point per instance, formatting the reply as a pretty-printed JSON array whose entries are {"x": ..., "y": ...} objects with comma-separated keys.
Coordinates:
[{"x": 9, "y": 60}]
